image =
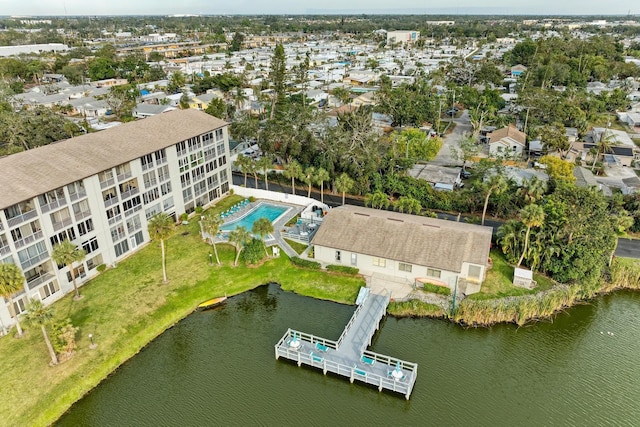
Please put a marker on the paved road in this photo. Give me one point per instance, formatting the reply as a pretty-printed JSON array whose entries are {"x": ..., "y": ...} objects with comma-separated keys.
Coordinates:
[{"x": 451, "y": 141}]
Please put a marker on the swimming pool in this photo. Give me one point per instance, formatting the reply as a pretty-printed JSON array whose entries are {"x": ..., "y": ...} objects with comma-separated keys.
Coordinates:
[{"x": 263, "y": 210}]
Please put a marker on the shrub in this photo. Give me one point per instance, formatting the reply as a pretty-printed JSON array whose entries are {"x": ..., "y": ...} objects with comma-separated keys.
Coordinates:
[
  {"x": 343, "y": 269},
  {"x": 252, "y": 199},
  {"x": 435, "y": 289},
  {"x": 253, "y": 252},
  {"x": 305, "y": 263},
  {"x": 199, "y": 210},
  {"x": 184, "y": 216},
  {"x": 101, "y": 268}
]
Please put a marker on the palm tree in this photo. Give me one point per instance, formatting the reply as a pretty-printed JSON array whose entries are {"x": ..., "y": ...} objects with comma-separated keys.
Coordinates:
[
  {"x": 11, "y": 282},
  {"x": 321, "y": 176},
  {"x": 495, "y": 185},
  {"x": 242, "y": 164},
  {"x": 603, "y": 146},
  {"x": 66, "y": 253},
  {"x": 38, "y": 314},
  {"x": 408, "y": 204},
  {"x": 377, "y": 200},
  {"x": 211, "y": 223},
  {"x": 344, "y": 184},
  {"x": 262, "y": 227},
  {"x": 160, "y": 228},
  {"x": 510, "y": 238},
  {"x": 293, "y": 170},
  {"x": 252, "y": 168},
  {"x": 308, "y": 177},
  {"x": 532, "y": 216},
  {"x": 239, "y": 98},
  {"x": 532, "y": 190},
  {"x": 264, "y": 164},
  {"x": 239, "y": 238}
]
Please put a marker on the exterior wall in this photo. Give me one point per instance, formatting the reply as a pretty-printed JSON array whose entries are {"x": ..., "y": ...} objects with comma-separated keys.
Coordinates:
[
  {"x": 506, "y": 146},
  {"x": 119, "y": 223},
  {"x": 392, "y": 268}
]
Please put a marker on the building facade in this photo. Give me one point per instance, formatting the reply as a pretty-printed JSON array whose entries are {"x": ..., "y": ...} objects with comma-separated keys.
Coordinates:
[
  {"x": 99, "y": 190},
  {"x": 405, "y": 248}
]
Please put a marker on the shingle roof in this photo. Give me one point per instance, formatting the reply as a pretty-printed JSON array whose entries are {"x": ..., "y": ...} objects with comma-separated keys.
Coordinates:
[
  {"x": 30, "y": 173},
  {"x": 408, "y": 238},
  {"x": 510, "y": 132}
]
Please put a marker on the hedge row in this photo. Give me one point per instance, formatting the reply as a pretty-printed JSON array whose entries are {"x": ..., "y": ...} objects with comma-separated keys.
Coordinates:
[
  {"x": 343, "y": 269},
  {"x": 305, "y": 263}
]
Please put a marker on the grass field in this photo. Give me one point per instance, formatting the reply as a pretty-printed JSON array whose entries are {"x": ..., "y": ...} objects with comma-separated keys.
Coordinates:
[{"x": 128, "y": 306}]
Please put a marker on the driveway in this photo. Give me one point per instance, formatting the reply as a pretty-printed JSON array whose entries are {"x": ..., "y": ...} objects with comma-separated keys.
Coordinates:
[{"x": 452, "y": 141}]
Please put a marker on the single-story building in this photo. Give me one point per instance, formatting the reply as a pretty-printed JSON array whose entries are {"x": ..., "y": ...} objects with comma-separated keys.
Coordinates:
[
  {"x": 441, "y": 177},
  {"x": 409, "y": 248},
  {"x": 507, "y": 141}
]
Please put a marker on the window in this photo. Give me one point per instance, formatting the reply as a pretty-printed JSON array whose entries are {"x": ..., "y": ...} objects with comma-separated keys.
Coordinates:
[
  {"x": 51, "y": 199},
  {"x": 223, "y": 175},
  {"x": 198, "y": 173},
  {"x": 474, "y": 272},
  {"x": 219, "y": 134},
  {"x": 81, "y": 209},
  {"x": 163, "y": 173},
  {"x": 431, "y": 272},
  {"x": 200, "y": 188},
  {"x": 149, "y": 179},
  {"x": 165, "y": 188},
  {"x": 161, "y": 156},
  {"x": 148, "y": 213},
  {"x": 106, "y": 178},
  {"x": 121, "y": 247},
  {"x": 354, "y": 259},
  {"x": 123, "y": 171},
  {"x": 79, "y": 272},
  {"x": 185, "y": 180},
  {"x": 113, "y": 212},
  {"x": 184, "y": 164},
  {"x": 132, "y": 205},
  {"x": 222, "y": 160},
  {"x": 187, "y": 194},
  {"x": 147, "y": 161},
  {"x": 181, "y": 148},
  {"x": 220, "y": 149},
  {"x": 150, "y": 196},
  {"x": 338, "y": 256},
  {"x": 90, "y": 245},
  {"x": 379, "y": 262},
  {"x": 207, "y": 138},
  {"x": 404, "y": 267},
  {"x": 19, "y": 305},
  {"x": 94, "y": 262},
  {"x": 117, "y": 232},
  {"x": 76, "y": 190},
  {"x": 209, "y": 153},
  {"x": 138, "y": 238},
  {"x": 212, "y": 181},
  {"x": 33, "y": 254},
  {"x": 85, "y": 227},
  {"x": 68, "y": 234},
  {"x": 133, "y": 224},
  {"x": 168, "y": 204},
  {"x": 49, "y": 289}
]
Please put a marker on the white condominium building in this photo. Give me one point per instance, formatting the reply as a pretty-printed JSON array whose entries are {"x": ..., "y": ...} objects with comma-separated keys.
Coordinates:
[{"x": 99, "y": 190}]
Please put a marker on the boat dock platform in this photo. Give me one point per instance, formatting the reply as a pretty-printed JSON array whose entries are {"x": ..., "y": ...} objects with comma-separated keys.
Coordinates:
[{"x": 349, "y": 356}]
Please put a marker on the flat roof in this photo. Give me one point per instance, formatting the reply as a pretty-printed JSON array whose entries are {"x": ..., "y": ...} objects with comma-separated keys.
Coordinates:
[{"x": 33, "y": 172}]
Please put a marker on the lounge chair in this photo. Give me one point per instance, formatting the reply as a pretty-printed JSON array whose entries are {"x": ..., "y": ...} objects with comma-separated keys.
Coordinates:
[
  {"x": 368, "y": 360},
  {"x": 359, "y": 371},
  {"x": 321, "y": 347},
  {"x": 316, "y": 358}
]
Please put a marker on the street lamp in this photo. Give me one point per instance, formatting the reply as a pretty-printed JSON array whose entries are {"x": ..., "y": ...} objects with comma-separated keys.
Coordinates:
[{"x": 92, "y": 345}]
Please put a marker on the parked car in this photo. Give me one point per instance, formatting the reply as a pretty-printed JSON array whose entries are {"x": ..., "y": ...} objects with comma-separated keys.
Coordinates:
[{"x": 464, "y": 174}]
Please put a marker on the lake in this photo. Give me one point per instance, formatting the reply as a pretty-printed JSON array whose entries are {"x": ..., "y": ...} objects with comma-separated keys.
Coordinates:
[{"x": 218, "y": 367}]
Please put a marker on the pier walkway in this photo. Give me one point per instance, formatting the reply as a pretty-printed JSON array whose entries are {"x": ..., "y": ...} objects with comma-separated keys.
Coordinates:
[{"x": 349, "y": 356}]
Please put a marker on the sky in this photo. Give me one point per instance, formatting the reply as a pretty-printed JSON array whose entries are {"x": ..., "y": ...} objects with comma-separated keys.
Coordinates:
[{"x": 255, "y": 7}]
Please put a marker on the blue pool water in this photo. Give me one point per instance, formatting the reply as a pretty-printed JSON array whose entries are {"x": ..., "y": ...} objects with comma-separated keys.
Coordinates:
[{"x": 263, "y": 210}]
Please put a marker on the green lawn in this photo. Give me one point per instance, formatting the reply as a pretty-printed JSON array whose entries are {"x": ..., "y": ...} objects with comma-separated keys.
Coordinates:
[
  {"x": 499, "y": 280},
  {"x": 126, "y": 307},
  {"x": 296, "y": 246}
]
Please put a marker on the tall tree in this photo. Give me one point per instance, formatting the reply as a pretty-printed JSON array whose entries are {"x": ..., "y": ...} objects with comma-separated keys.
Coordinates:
[
  {"x": 160, "y": 227},
  {"x": 320, "y": 177},
  {"x": 495, "y": 185},
  {"x": 603, "y": 145},
  {"x": 211, "y": 223},
  {"x": 532, "y": 190},
  {"x": 344, "y": 184},
  {"x": 239, "y": 238},
  {"x": 278, "y": 76},
  {"x": 293, "y": 170},
  {"x": 531, "y": 216},
  {"x": 262, "y": 227},
  {"x": 308, "y": 177},
  {"x": 265, "y": 163},
  {"x": 41, "y": 315},
  {"x": 242, "y": 164},
  {"x": 377, "y": 200},
  {"x": 408, "y": 204},
  {"x": 66, "y": 253},
  {"x": 11, "y": 282}
]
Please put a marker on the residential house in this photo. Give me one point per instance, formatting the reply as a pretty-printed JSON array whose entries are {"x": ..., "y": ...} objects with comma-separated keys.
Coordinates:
[
  {"x": 201, "y": 102},
  {"x": 508, "y": 141},
  {"x": 142, "y": 111},
  {"x": 518, "y": 70},
  {"x": 99, "y": 190},
  {"x": 441, "y": 177},
  {"x": 406, "y": 248}
]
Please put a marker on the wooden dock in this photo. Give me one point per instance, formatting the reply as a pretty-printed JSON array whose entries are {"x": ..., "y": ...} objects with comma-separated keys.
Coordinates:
[{"x": 349, "y": 356}]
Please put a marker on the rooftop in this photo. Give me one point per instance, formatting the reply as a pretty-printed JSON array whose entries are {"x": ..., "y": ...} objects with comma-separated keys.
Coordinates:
[{"x": 30, "y": 173}]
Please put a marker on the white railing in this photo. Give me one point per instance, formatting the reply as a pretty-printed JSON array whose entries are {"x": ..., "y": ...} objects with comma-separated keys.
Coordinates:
[
  {"x": 22, "y": 218},
  {"x": 352, "y": 320},
  {"x": 53, "y": 205},
  {"x": 61, "y": 224},
  {"x": 29, "y": 239}
]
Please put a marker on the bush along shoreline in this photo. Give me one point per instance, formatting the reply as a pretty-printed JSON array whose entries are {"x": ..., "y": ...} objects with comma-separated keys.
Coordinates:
[{"x": 526, "y": 308}]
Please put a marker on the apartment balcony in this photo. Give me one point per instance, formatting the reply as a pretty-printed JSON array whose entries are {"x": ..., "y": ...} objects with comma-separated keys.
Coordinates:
[
  {"x": 182, "y": 152},
  {"x": 148, "y": 166},
  {"x": 111, "y": 201},
  {"x": 26, "y": 264},
  {"x": 29, "y": 239},
  {"x": 4, "y": 250},
  {"x": 150, "y": 183},
  {"x": 82, "y": 215},
  {"x": 57, "y": 226},
  {"x": 123, "y": 176},
  {"x": 129, "y": 193},
  {"x": 22, "y": 218},
  {"x": 40, "y": 279},
  {"x": 76, "y": 196},
  {"x": 161, "y": 161},
  {"x": 115, "y": 219},
  {"x": 53, "y": 205},
  {"x": 132, "y": 210},
  {"x": 107, "y": 183}
]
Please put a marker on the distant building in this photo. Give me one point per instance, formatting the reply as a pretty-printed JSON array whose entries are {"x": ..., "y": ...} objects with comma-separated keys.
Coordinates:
[
  {"x": 402, "y": 36},
  {"x": 507, "y": 141},
  {"x": 32, "y": 48}
]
